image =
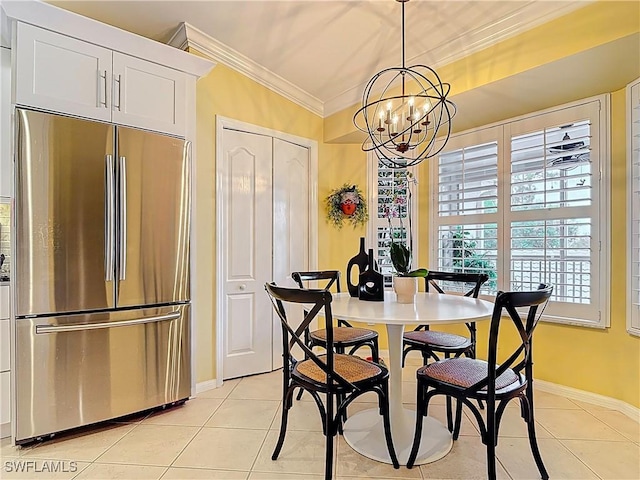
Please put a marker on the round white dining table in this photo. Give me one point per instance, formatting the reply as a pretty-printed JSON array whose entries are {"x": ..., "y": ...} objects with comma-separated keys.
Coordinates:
[{"x": 363, "y": 431}]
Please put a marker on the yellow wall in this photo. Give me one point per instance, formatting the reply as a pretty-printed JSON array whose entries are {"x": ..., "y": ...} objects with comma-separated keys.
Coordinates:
[
  {"x": 230, "y": 94},
  {"x": 606, "y": 362},
  {"x": 588, "y": 27}
]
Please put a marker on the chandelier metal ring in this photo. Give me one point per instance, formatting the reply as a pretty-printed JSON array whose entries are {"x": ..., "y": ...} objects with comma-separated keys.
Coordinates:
[{"x": 410, "y": 119}]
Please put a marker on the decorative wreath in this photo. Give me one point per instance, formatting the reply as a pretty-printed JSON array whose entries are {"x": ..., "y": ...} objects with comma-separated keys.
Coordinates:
[{"x": 346, "y": 203}]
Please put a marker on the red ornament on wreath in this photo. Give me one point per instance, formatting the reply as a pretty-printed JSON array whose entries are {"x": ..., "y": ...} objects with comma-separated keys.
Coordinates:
[
  {"x": 349, "y": 203},
  {"x": 348, "y": 207}
]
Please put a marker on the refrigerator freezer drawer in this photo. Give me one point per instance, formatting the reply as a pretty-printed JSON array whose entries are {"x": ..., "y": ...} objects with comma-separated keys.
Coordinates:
[{"x": 81, "y": 369}]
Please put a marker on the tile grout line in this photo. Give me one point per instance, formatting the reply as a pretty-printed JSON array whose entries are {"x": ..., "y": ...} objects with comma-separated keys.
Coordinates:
[
  {"x": 609, "y": 425},
  {"x": 197, "y": 432},
  {"x": 578, "y": 458}
]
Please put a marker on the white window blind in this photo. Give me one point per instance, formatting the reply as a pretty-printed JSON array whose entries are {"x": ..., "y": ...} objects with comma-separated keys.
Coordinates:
[
  {"x": 523, "y": 201},
  {"x": 468, "y": 180},
  {"x": 467, "y": 206},
  {"x": 633, "y": 210}
]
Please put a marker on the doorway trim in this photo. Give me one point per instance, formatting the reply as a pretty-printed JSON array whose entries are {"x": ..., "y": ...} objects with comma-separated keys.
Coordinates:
[{"x": 223, "y": 123}]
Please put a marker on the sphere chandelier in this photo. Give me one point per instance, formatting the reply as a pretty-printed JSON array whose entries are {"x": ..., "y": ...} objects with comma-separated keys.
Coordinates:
[{"x": 406, "y": 127}]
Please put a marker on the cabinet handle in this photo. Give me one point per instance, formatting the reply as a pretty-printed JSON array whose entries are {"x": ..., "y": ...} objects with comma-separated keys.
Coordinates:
[
  {"x": 118, "y": 79},
  {"x": 104, "y": 79}
]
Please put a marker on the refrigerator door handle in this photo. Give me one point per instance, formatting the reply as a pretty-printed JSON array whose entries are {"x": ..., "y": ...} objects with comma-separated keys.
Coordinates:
[
  {"x": 122, "y": 267},
  {"x": 42, "y": 329},
  {"x": 110, "y": 220}
]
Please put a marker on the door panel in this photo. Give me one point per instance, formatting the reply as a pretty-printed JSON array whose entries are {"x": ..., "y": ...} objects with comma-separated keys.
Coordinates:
[
  {"x": 148, "y": 95},
  {"x": 290, "y": 225},
  {"x": 81, "y": 369},
  {"x": 246, "y": 267},
  {"x": 60, "y": 73},
  {"x": 154, "y": 209},
  {"x": 61, "y": 214}
]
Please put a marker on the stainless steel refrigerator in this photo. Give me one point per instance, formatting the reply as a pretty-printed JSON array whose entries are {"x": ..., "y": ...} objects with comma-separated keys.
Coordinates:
[{"x": 101, "y": 272}]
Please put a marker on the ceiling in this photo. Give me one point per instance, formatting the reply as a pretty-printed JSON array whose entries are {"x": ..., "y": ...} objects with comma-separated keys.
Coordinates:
[{"x": 328, "y": 50}]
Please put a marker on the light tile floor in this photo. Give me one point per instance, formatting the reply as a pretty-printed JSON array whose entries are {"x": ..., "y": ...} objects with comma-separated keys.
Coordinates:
[{"x": 229, "y": 433}]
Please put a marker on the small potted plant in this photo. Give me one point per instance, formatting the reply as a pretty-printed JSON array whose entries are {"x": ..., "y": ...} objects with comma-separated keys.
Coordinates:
[{"x": 405, "y": 281}]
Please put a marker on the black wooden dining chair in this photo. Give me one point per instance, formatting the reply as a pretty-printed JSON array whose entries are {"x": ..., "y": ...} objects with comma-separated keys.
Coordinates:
[
  {"x": 467, "y": 379},
  {"x": 436, "y": 345},
  {"x": 341, "y": 378},
  {"x": 345, "y": 336},
  {"x": 431, "y": 343}
]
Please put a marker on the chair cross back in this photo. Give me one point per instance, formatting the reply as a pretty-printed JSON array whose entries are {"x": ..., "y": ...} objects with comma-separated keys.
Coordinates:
[
  {"x": 332, "y": 275},
  {"x": 433, "y": 277},
  {"x": 321, "y": 301},
  {"x": 537, "y": 301}
]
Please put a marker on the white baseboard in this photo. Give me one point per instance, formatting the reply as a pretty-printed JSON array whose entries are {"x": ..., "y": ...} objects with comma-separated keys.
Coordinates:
[
  {"x": 207, "y": 385},
  {"x": 5, "y": 430},
  {"x": 589, "y": 397},
  {"x": 557, "y": 389}
]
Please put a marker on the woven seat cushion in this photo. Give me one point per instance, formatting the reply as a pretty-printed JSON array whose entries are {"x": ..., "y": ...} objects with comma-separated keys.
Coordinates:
[
  {"x": 465, "y": 372},
  {"x": 352, "y": 368},
  {"x": 345, "y": 334},
  {"x": 438, "y": 339}
]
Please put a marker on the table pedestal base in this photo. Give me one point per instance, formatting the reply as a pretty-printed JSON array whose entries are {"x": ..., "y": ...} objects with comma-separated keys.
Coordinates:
[{"x": 365, "y": 434}]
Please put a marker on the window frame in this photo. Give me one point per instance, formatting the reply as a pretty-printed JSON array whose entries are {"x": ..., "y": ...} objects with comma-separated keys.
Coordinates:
[
  {"x": 633, "y": 211},
  {"x": 502, "y": 133}
]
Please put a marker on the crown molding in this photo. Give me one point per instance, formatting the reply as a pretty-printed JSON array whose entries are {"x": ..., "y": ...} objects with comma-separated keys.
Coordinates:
[
  {"x": 58, "y": 20},
  {"x": 473, "y": 41},
  {"x": 189, "y": 36}
]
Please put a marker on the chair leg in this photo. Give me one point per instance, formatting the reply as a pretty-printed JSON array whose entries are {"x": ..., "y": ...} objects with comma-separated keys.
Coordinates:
[
  {"x": 456, "y": 427},
  {"x": 286, "y": 405},
  {"x": 375, "y": 354},
  {"x": 300, "y": 394},
  {"x": 531, "y": 430},
  {"x": 449, "y": 414},
  {"x": 405, "y": 352},
  {"x": 491, "y": 441},
  {"x": 384, "y": 410},
  {"x": 329, "y": 432},
  {"x": 420, "y": 413}
]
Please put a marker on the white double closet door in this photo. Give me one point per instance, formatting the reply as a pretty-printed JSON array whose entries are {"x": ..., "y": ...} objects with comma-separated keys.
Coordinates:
[{"x": 265, "y": 194}]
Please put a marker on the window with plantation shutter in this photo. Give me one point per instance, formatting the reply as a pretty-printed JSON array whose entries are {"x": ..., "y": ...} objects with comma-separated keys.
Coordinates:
[
  {"x": 393, "y": 192},
  {"x": 466, "y": 196},
  {"x": 524, "y": 202},
  {"x": 633, "y": 210}
]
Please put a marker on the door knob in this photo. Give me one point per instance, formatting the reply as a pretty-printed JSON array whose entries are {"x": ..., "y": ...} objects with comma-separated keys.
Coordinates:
[{"x": 242, "y": 287}]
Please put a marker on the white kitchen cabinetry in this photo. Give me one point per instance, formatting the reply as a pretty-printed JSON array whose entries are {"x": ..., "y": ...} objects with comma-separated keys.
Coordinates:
[
  {"x": 60, "y": 73},
  {"x": 63, "y": 74},
  {"x": 148, "y": 95},
  {"x": 5, "y": 374},
  {"x": 6, "y": 160}
]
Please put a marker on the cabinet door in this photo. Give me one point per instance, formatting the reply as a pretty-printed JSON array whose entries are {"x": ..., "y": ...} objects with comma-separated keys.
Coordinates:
[
  {"x": 148, "y": 95},
  {"x": 59, "y": 73},
  {"x": 6, "y": 158}
]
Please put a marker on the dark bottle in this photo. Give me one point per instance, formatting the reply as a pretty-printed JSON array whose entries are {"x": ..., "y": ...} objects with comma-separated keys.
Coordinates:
[
  {"x": 361, "y": 260},
  {"x": 371, "y": 283}
]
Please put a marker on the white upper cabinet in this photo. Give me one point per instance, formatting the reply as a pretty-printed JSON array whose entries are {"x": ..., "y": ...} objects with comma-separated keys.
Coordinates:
[
  {"x": 63, "y": 74},
  {"x": 148, "y": 95},
  {"x": 6, "y": 159},
  {"x": 60, "y": 73}
]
